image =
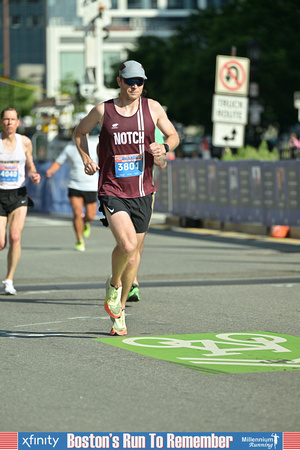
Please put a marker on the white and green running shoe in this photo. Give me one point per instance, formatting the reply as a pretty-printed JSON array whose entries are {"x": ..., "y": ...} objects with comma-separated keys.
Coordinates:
[
  {"x": 134, "y": 294},
  {"x": 119, "y": 326},
  {"x": 112, "y": 304},
  {"x": 86, "y": 230},
  {"x": 80, "y": 245}
]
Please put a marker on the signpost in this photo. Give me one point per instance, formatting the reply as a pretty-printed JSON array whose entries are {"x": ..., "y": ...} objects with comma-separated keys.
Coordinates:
[
  {"x": 230, "y": 110},
  {"x": 297, "y": 103},
  {"x": 297, "y": 99},
  {"x": 228, "y": 135},
  {"x": 232, "y": 75}
]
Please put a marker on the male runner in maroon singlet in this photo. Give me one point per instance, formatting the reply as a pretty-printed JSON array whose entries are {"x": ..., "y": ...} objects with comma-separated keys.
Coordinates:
[{"x": 127, "y": 153}]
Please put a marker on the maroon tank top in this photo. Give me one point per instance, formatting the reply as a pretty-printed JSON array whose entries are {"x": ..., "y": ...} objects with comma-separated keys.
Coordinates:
[{"x": 126, "y": 166}]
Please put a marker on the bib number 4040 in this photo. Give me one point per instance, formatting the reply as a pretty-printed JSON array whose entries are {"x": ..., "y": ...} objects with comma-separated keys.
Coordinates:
[{"x": 9, "y": 173}]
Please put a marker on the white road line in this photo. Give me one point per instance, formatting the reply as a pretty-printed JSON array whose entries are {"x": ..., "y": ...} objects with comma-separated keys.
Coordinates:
[
  {"x": 284, "y": 285},
  {"x": 241, "y": 362},
  {"x": 45, "y": 292},
  {"x": 62, "y": 321}
]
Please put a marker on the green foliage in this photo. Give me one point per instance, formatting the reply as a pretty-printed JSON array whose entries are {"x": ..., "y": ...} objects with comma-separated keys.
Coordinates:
[
  {"x": 20, "y": 98},
  {"x": 69, "y": 86},
  {"x": 181, "y": 69},
  {"x": 248, "y": 152}
]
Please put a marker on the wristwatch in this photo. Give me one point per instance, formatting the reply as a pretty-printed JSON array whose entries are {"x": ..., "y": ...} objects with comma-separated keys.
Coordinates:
[{"x": 167, "y": 148}]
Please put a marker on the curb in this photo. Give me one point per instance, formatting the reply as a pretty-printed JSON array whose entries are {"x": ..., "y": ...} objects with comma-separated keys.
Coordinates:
[{"x": 243, "y": 228}]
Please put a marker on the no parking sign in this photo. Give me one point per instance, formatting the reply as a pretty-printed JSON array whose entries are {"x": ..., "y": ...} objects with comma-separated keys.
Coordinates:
[
  {"x": 232, "y": 75},
  {"x": 230, "y": 112}
]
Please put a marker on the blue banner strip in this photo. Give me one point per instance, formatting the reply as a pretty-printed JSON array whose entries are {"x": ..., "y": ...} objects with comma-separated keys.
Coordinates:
[{"x": 153, "y": 440}]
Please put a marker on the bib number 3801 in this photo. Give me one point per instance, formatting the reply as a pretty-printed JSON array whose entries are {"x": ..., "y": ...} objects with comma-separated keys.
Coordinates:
[{"x": 128, "y": 165}]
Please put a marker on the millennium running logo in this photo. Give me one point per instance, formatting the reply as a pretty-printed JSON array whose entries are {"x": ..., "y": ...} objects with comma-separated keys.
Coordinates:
[{"x": 264, "y": 442}]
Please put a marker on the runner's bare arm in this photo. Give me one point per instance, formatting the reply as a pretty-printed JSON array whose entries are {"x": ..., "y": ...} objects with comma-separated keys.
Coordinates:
[
  {"x": 94, "y": 118},
  {"x": 30, "y": 166},
  {"x": 166, "y": 127},
  {"x": 55, "y": 166},
  {"x": 159, "y": 154}
]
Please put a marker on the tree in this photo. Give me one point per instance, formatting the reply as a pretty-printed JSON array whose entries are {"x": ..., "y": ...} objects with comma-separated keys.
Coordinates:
[
  {"x": 71, "y": 87},
  {"x": 19, "y": 97}
]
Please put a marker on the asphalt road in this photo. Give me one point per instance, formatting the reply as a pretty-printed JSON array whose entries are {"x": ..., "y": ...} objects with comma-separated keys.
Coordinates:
[{"x": 57, "y": 375}]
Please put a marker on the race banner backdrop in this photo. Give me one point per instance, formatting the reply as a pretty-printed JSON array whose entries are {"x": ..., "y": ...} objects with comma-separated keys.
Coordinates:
[
  {"x": 265, "y": 193},
  {"x": 149, "y": 441}
]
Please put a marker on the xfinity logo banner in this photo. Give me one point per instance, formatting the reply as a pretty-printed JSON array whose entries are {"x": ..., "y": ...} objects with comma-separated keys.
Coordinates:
[
  {"x": 149, "y": 441},
  {"x": 35, "y": 440}
]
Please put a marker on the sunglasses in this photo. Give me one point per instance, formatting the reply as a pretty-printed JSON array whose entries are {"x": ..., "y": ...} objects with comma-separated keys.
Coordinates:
[{"x": 132, "y": 81}]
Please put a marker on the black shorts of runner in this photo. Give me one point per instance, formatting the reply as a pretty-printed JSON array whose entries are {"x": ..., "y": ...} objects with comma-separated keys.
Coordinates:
[
  {"x": 11, "y": 199},
  {"x": 139, "y": 209},
  {"x": 88, "y": 196}
]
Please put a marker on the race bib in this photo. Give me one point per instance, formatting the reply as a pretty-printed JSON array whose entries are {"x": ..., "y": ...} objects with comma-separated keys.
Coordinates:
[
  {"x": 9, "y": 172},
  {"x": 128, "y": 165}
]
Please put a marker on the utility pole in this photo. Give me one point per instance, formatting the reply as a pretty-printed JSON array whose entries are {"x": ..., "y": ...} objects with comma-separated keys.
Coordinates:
[{"x": 6, "y": 43}]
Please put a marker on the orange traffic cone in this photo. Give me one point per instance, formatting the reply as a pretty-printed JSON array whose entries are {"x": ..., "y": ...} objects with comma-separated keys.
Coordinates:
[{"x": 279, "y": 231}]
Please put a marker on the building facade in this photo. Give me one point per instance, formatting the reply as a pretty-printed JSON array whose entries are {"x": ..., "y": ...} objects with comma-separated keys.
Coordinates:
[{"x": 23, "y": 39}]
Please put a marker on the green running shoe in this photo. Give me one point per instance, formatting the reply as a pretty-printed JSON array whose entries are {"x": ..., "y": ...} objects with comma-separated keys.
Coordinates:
[
  {"x": 119, "y": 326},
  {"x": 80, "y": 246},
  {"x": 86, "y": 230},
  {"x": 112, "y": 304},
  {"x": 134, "y": 294}
]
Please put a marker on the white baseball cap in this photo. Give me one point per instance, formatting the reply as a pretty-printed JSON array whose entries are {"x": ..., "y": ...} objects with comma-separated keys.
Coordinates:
[{"x": 132, "y": 69}]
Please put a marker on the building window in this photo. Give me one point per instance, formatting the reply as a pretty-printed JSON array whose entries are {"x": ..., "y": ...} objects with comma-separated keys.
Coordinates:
[
  {"x": 175, "y": 4},
  {"x": 119, "y": 23},
  {"x": 71, "y": 40},
  {"x": 72, "y": 66},
  {"x": 16, "y": 21},
  {"x": 34, "y": 21},
  {"x": 37, "y": 21},
  {"x": 182, "y": 4},
  {"x": 134, "y": 4},
  {"x": 216, "y": 3}
]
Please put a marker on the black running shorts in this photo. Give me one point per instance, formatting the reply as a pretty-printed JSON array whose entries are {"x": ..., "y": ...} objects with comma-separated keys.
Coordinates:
[
  {"x": 139, "y": 209},
  {"x": 11, "y": 199},
  {"x": 88, "y": 196}
]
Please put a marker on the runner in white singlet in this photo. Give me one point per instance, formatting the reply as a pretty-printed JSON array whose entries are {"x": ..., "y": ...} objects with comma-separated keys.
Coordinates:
[{"x": 15, "y": 159}]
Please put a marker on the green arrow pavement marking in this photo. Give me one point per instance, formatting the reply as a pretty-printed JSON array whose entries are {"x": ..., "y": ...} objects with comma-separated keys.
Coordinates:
[{"x": 216, "y": 353}]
